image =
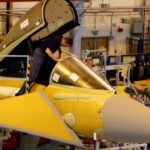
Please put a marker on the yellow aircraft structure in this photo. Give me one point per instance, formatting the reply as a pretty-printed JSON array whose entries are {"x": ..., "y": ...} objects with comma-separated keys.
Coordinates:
[
  {"x": 76, "y": 103},
  {"x": 83, "y": 101}
]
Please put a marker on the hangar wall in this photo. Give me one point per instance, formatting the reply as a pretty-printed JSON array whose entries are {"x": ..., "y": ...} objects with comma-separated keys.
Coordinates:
[{"x": 107, "y": 24}]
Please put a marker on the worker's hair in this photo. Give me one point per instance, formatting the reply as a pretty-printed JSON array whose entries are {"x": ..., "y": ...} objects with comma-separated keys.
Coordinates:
[{"x": 68, "y": 40}]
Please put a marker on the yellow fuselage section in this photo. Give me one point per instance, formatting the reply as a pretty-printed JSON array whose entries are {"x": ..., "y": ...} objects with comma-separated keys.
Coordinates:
[{"x": 83, "y": 104}]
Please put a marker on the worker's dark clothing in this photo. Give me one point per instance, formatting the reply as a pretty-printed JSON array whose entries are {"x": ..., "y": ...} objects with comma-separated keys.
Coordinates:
[
  {"x": 52, "y": 42},
  {"x": 40, "y": 58}
]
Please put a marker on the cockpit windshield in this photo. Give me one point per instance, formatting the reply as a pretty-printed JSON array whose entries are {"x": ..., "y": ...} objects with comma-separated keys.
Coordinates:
[{"x": 72, "y": 71}]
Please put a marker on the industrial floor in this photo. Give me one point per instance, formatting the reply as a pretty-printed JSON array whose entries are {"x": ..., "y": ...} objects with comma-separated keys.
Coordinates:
[
  {"x": 52, "y": 146},
  {"x": 29, "y": 142},
  {"x": 48, "y": 147}
]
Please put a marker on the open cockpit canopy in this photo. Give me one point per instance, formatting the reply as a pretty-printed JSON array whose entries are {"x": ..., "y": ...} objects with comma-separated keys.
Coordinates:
[{"x": 72, "y": 71}]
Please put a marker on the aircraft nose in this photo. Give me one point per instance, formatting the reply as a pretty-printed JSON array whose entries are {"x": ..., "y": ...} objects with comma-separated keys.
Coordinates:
[{"x": 126, "y": 120}]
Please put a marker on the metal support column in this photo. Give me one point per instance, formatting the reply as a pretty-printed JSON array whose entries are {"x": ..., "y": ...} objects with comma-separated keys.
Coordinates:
[{"x": 7, "y": 17}]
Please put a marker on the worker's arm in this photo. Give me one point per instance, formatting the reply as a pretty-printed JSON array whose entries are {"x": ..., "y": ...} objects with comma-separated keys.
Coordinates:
[{"x": 50, "y": 54}]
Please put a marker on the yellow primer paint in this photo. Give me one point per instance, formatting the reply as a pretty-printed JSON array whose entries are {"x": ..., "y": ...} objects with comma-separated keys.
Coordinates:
[
  {"x": 120, "y": 89},
  {"x": 145, "y": 83},
  {"x": 86, "y": 111},
  {"x": 11, "y": 83},
  {"x": 85, "y": 105},
  {"x": 34, "y": 113}
]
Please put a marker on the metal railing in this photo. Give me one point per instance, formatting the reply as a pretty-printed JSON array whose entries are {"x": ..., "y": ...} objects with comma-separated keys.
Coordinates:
[{"x": 26, "y": 77}]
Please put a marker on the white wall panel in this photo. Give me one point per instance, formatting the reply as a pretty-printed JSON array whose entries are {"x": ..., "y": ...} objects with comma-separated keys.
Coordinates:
[
  {"x": 106, "y": 27},
  {"x": 2, "y": 18},
  {"x": 114, "y": 3},
  {"x": 22, "y": 6},
  {"x": 103, "y": 23}
]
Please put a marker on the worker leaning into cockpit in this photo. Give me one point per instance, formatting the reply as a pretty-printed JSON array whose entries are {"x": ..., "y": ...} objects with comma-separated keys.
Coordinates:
[{"x": 43, "y": 53}]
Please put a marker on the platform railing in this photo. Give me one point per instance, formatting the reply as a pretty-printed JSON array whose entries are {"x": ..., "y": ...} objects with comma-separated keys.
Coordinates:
[{"x": 27, "y": 69}]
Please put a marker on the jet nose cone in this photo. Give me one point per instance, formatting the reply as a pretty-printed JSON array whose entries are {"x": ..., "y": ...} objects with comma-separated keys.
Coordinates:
[{"x": 126, "y": 120}]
